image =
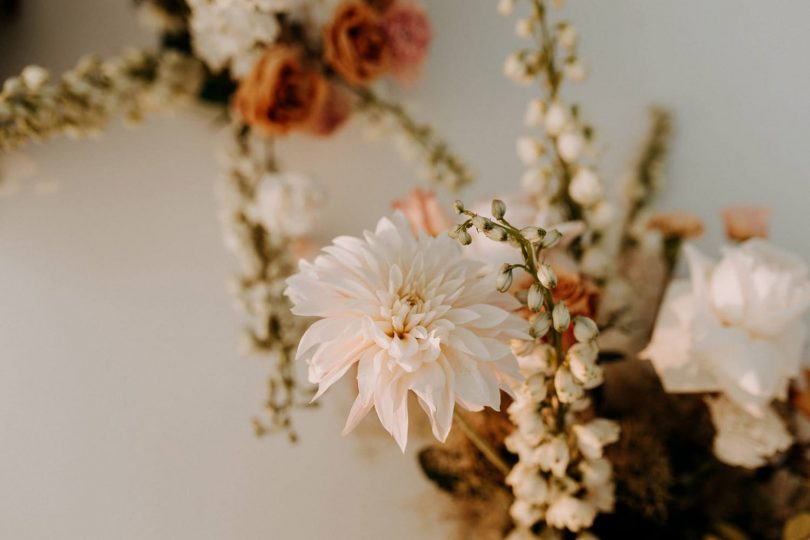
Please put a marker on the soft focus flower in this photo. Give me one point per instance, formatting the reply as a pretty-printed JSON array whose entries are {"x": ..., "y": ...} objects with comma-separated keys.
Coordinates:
[
  {"x": 570, "y": 145},
  {"x": 529, "y": 150},
  {"x": 557, "y": 118},
  {"x": 287, "y": 203},
  {"x": 736, "y": 328},
  {"x": 408, "y": 29},
  {"x": 534, "y": 113},
  {"x": 412, "y": 314},
  {"x": 569, "y": 512},
  {"x": 586, "y": 187},
  {"x": 745, "y": 440},
  {"x": 423, "y": 212},
  {"x": 282, "y": 94},
  {"x": 226, "y": 33},
  {"x": 676, "y": 225},
  {"x": 746, "y": 222},
  {"x": 595, "y": 435},
  {"x": 356, "y": 44},
  {"x": 553, "y": 456},
  {"x": 516, "y": 70}
]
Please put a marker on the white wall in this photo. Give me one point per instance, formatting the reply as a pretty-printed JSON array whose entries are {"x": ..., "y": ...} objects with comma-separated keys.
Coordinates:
[{"x": 124, "y": 411}]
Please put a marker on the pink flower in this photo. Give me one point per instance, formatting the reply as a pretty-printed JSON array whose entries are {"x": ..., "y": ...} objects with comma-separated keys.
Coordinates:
[
  {"x": 746, "y": 222},
  {"x": 423, "y": 212},
  {"x": 409, "y": 34}
]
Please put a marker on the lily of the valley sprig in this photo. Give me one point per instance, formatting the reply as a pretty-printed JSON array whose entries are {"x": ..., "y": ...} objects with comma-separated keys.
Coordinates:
[{"x": 561, "y": 479}]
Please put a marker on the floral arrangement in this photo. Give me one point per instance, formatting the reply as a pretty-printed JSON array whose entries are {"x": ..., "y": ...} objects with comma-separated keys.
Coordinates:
[
  {"x": 594, "y": 395},
  {"x": 278, "y": 67},
  {"x": 593, "y": 392}
]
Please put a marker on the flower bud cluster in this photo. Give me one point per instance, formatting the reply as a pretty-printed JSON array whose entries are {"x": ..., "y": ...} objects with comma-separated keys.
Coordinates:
[
  {"x": 265, "y": 260},
  {"x": 558, "y": 174},
  {"x": 32, "y": 107},
  {"x": 561, "y": 480}
]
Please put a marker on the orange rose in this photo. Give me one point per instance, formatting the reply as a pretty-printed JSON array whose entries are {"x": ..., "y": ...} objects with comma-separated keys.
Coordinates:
[
  {"x": 282, "y": 94},
  {"x": 356, "y": 44}
]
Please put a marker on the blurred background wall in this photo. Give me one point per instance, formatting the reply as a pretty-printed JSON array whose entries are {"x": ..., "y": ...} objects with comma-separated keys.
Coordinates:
[{"x": 124, "y": 409}]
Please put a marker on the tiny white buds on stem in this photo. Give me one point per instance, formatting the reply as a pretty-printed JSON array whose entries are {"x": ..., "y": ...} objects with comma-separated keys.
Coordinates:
[
  {"x": 529, "y": 150},
  {"x": 504, "y": 280},
  {"x": 535, "y": 113},
  {"x": 585, "y": 330},
  {"x": 582, "y": 362},
  {"x": 498, "y": 209},
  {"x": 561, "y": 317},
  {"x": 496, "y": 233},
  {"x": 458, "y": 206},
  {"x": 481, "y": 223},
  {"x": 540, "y": 326},
  {"x": 533, "y": 234},
  {"x": 547, "y": 276},
  {"x": 535, "y": 299},
  {"x": 552, "y": 238},
  {"x": 464, "y": 237}
]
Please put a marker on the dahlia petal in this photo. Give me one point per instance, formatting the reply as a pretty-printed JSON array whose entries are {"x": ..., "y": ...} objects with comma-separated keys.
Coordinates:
[{"x": 359, "y": 410}]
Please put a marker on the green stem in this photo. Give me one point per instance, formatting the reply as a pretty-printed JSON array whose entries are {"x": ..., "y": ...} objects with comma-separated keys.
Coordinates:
[{"x": 482, "y": 446}]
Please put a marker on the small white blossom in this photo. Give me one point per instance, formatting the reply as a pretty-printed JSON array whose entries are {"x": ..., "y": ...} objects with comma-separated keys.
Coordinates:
[
  {"x": 568, "y": 388},
  {"x": 569, "y": 512},
  {"x": 586, "y": 187},
  {"x": 570, "y": 144},
  {"x": 538, "y": 181},
  {"x": 525, "y": 513},
  {"x": 529, "y": 150},
  {"x": 287, "y": 203},
  {"x": 554, "y": 456},
  {"x": 595, "y": 435},
  {"x": 516, "y": 70},
  {"x": 535, "y": 113},
  {"x": 524, "y": 28},
  {"x": 557, "y": 118}
]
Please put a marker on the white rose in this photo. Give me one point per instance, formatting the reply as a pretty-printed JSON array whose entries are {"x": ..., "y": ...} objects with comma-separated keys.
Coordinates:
[{"x": 736, "y": 328}]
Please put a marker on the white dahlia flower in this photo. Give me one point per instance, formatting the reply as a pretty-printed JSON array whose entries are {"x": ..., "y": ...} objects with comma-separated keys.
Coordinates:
[{"x": 412, "y": 314}]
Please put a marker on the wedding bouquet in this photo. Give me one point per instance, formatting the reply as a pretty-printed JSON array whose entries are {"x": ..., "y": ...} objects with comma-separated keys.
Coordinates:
[{"x": 575, "y": 385}]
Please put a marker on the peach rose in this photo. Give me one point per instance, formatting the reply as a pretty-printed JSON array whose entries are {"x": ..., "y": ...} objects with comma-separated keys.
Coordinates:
[
  {"x": 423, "y": 212},
  {"x": 355, "y": 43},
  {"x": 746, "y": 222},
  {"x": 282, "y": 94},
  {"x": 676, "y": 225},
  {"x": 409, "y": 34}
]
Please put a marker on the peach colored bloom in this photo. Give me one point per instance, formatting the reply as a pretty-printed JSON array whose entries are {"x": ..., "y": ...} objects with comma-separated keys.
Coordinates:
[
  {"x": 676, "y": 225},
  {"x": 355, "y": 43},
  {"x": 408, "y": 29},
  {"x": 282, "y": 93},
  {"x": 423, "y": 212},
  {"x": 746, "y": 222}
]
